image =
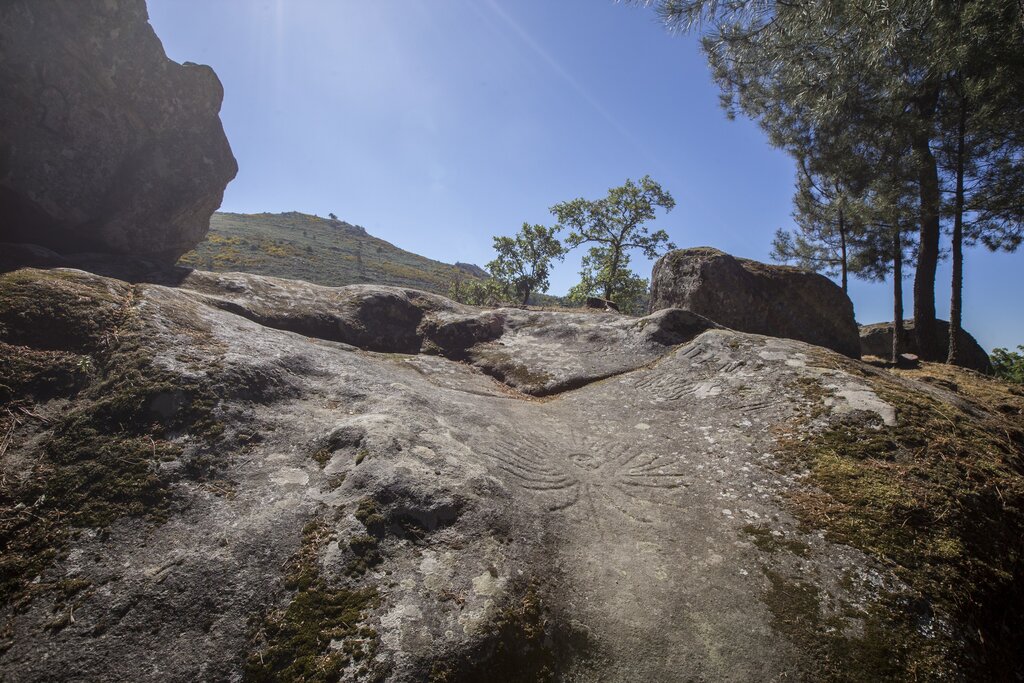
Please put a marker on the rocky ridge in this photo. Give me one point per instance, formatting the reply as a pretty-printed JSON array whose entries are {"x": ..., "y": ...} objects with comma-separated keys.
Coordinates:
[
  {"x": 227, "y": 476},
  {"x": 323, "y": 251}
]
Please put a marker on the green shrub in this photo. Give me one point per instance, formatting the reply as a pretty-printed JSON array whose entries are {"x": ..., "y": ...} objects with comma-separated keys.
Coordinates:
[{"x": 1009, "y": 365}]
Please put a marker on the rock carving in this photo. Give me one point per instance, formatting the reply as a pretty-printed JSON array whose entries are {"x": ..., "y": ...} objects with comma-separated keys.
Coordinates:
[{"x": 620, "y": 476}]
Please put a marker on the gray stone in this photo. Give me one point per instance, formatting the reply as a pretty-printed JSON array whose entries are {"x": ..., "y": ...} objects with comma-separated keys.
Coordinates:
[
  {"x": 106, "y": 145},
  {"x": 748, "y": 296},
  {"x": 908, "y": 361},
  {"x": 602, "y": 532},
  {"x": 876, "y": 340}
]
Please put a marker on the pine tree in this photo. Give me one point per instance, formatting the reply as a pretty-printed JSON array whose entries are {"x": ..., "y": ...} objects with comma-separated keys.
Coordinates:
[
  {"x": 875, "y": 69},
  {"x": 826, "y": 212},
  {"x": 887, "y": 240},
  {"x": 982, "y": 146}
]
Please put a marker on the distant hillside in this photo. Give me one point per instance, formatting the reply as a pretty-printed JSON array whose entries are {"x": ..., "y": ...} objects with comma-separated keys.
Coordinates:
[{"x": 319, "y": 250}]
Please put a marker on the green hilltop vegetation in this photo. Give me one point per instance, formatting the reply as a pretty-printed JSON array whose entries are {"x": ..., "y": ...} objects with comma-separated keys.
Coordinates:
[{"x": 324, "y": 251}]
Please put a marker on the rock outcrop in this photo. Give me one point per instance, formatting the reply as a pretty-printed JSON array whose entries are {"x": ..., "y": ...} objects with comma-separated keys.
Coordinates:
[
  {"x": 106, "y": 145},
  {"x": 876, "y": 340},
  {"x": 239, "y": 477},
  {"x": 748, "y": 296}
]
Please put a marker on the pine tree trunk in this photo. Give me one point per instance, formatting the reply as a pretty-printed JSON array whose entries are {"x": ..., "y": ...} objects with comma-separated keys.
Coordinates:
[
  {"x": 842, "y": 249},
  {"x": 956, "y": 300},
  {"x": 897, "y": 295},
  {"x": 928, "y": 252}
]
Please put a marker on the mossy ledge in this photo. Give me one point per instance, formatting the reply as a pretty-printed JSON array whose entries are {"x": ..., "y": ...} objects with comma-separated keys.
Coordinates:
[
  {"x": 77, "y": 338},
  {"x": 867, "y": 654},
  {"x": 521, "y": 646},
  {"x": 320, "y": 633},
  {"x": 938, "y": 498}
]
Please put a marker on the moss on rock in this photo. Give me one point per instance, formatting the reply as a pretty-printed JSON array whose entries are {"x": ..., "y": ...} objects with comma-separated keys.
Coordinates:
[
  {"x": 507, "y": 369},
  {"x": 837, "y": 651},
  {"x": 939, "y": 497},
  {"x": 370, "y": 515},
  {"x": 320, "y": 633},
  {"x": 61, "y": 310},
  {"x": 27, "y": 373},
  {"x": 762, "y": 537},
  {"x": 98, "y": 460},
  {"x": 519, "y": 647}
]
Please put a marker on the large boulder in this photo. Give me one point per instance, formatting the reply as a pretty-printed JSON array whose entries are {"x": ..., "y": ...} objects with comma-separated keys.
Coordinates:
[
  {"x": 748, "y": 296},
  {"x": 876, "y": 340},
  {"x": 106, "y": 145}
]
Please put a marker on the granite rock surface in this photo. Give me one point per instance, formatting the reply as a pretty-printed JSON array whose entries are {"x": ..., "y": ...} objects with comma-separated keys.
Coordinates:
[{"x": 368, "y": 483}]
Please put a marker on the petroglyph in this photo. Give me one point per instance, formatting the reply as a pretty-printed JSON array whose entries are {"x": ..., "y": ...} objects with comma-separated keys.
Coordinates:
[
  {"x": 758, "y": 405},
  {"x": 701, "y": 372},
  {"x": 674, "y": 387},
  {"x": 625, "y": 477}
]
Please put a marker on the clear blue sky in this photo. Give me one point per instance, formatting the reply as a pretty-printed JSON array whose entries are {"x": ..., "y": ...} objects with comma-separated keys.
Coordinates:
[{"x": 437, "y": 124}]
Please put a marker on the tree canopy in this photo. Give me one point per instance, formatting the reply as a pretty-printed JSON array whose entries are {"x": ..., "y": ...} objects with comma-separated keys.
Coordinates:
[
  {"x": 630, "y": 290},
  {"x": 615, "y": 224},
  {"x": 524, "y": 260}
]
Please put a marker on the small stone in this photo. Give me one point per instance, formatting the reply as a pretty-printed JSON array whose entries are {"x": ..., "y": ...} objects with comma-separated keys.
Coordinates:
[
  {"x": 907, "y": 361},
  {"x": 601, "y": 304}
]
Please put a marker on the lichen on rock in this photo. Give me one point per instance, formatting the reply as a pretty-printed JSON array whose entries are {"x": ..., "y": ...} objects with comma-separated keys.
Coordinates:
[{"x": 118, "y": 417}]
